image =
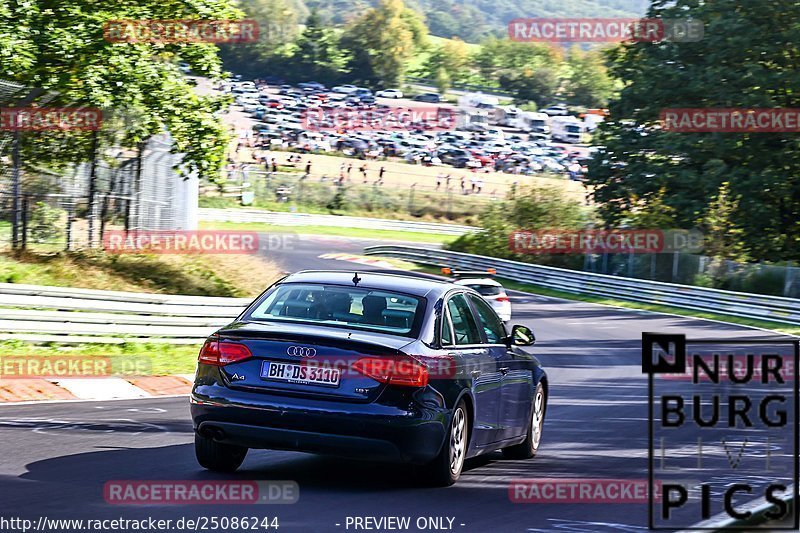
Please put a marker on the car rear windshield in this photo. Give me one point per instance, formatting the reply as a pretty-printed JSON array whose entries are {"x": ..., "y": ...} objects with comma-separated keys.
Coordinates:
[
  {"x": 340, "y": 306},
  {"x": 487, "y": 290}
]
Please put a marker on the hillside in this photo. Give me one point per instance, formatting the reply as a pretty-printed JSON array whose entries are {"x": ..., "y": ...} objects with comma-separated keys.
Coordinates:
[{"x": 472, "y": 19}]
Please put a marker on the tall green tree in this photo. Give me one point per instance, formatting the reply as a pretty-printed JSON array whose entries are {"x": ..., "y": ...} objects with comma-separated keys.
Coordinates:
[
  {"x": 539, "y": 86},
  {"x": 453, "y": 58},
  {"x": 748, "y": 58},
  {"x": 277, "y": 21},
  {"x": 504, "y": 56},
  {"x": 61, "y": 49},
  {"x": 588, "y": 82},
  {"x": 382, "y": 41},
  {"x": 318, "y": 55}
]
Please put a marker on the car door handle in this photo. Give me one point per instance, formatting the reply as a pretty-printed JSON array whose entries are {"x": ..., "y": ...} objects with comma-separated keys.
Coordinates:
[{"x": 503, "y": 370}]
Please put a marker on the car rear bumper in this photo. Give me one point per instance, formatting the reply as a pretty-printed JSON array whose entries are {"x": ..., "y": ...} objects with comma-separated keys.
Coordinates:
[
  {"x": 414, "y": 434},
  {"x": 503, "y": 310}
]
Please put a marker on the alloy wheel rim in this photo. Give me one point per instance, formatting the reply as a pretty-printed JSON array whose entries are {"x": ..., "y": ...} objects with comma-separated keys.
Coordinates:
[
  {"x": 457, "y": 442},
  {"x": 537, "y": 417}
]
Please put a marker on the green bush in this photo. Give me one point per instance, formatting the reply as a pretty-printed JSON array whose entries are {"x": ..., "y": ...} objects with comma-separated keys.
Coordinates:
[
  {"x": 45, "y": 223},
  {"x": 532, "y": 208}
]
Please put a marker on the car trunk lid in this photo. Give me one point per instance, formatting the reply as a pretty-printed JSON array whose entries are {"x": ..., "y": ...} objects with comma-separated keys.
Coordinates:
[{"x": 310, "y": 361}]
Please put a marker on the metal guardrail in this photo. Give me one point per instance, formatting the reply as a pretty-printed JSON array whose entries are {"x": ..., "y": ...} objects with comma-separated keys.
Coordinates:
[
  {"x": 304, "y": 219},
  {"x": 33, "y": 313},
  {"x": 754, "y": 306}
]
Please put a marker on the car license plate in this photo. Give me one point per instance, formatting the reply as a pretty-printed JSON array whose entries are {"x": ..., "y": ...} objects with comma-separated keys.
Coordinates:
[{"x": 305, "y": 374}]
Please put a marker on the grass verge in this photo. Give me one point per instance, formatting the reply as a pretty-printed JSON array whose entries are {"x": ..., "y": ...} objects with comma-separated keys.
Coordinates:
[
  {"x": 365, "y": 233},
  {"x": 198, "y": 275},
  {"x": 132, "y": 359}
]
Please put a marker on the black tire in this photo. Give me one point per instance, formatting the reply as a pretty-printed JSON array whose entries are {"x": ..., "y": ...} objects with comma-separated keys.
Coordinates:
[
  {"x": 446, "y": 469},
  {"x": 528, "y": 448},
  {"x": 216, "y": 456}
]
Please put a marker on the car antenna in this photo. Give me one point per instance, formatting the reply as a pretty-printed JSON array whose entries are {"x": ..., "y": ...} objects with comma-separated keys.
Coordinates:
[{"x": 356, "y": 279}]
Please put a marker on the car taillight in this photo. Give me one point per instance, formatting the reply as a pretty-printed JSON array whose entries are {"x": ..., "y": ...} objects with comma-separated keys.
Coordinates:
[
  {"x": 502, "y": 299},
  {"x": 402, "y": 371},
  {"x": 220, "y": 353}
]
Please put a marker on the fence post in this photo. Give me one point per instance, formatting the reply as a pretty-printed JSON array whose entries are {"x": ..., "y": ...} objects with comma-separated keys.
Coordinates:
[
  {"x": 137, "y": 190},
  {"x": 92, "y": 208},
  {"x": 24, "y": 223},
  {"x": 70, "y": 216},
  {"x": 16, "y": 166},
  {"x": 16, "y": 190},
  {"x": 411, "y": 198}
]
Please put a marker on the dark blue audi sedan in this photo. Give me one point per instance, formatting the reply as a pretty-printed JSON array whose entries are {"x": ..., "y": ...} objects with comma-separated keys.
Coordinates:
[{"x": 370, "y": 365}]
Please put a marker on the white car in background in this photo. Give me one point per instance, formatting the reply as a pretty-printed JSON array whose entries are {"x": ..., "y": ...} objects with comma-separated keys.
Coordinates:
[
  {"x": 344, "y": 89},
  {"x": 492, "y": 291},
  {"x": 389, "y": 93}
]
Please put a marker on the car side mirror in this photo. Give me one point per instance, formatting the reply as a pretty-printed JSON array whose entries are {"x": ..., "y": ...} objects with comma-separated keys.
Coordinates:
[{"x": 522, "y": 336}]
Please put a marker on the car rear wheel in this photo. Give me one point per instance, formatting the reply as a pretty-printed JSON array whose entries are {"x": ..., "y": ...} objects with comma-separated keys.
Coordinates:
[
  {"x": 446, "y": 468},
  {"x": 217, "y": 456},
  {"x": 528, "y": 448}
]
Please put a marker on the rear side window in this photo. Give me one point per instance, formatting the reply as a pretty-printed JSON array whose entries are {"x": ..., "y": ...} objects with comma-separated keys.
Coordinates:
[
  {"x": 447, "y": 333},
  {"x": 464, "y": 328}
]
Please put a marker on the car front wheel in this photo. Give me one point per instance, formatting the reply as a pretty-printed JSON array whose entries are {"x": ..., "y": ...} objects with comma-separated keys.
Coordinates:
[
  {"x": 528, "y": 448},
  {"x": 216, "y": 456}
]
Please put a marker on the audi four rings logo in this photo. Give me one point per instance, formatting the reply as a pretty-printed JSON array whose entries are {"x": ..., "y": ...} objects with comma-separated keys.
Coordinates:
[{"x": 301, "y": 351}]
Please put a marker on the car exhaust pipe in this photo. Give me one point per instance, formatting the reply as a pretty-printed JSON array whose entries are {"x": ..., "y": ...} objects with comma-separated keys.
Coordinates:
[{"x": 211, "y": 432}]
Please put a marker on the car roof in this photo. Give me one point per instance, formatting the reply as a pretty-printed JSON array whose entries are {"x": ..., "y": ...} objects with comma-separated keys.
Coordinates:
[
  {"x": 408, "y": 283},
  {"x": 477, "y": 281}
]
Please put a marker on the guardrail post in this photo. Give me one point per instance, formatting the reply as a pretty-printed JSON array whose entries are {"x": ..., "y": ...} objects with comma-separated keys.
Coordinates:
[
  {"x": 675, "y": 260},
  {"x": 788, "y": 280},
  {"x": 630, "y": 264}
]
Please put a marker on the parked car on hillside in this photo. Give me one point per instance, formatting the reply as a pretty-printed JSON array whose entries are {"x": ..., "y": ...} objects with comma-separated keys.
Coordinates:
[{"x": 389, "y": 93}]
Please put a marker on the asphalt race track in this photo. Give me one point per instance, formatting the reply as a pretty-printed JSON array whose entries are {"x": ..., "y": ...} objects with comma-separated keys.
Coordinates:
[{"x": 58, "y": 456}]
